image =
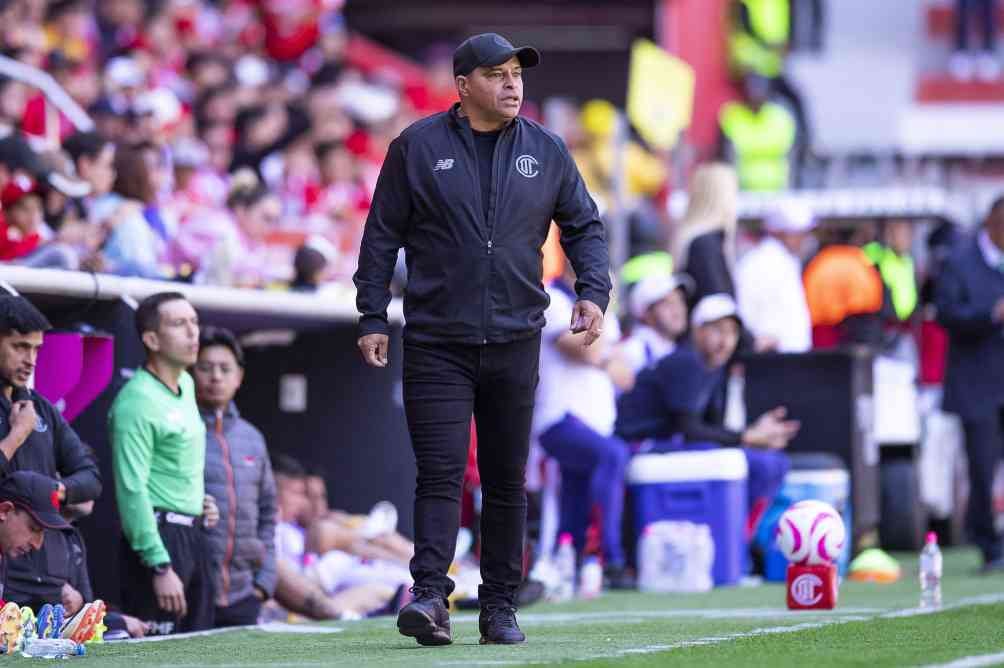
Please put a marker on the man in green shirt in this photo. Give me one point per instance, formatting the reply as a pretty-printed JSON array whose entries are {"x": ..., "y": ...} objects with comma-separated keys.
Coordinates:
[{"x": 158, "y": 447}]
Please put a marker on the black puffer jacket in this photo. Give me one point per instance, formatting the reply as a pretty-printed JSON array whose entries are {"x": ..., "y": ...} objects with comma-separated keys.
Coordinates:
[{"x": 473, "y": 279}]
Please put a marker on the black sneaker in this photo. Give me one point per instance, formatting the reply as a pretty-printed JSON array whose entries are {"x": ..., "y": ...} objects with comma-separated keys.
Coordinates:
[
  {"x": 618, "y": 578},
  {"x": 426, "y": 619},
  {"x": 498, "y": 626}
]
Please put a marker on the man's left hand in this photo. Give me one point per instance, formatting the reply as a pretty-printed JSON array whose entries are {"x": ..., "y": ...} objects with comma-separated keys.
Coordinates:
[{"x": 587, "y": 317}]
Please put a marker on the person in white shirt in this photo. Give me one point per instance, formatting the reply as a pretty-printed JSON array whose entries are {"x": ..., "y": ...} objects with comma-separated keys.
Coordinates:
[
  {"x": 659, "y": 307},
  {"x": 574, "y": 422},
  {"x": 769, "y": 287}
]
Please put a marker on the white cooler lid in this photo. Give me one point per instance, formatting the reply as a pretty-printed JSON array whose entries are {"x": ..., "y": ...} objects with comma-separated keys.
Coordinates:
[{"x": 719, "y": 464}]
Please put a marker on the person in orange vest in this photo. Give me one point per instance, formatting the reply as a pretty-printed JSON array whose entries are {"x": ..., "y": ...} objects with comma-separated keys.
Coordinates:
[{"x": 845, "y": 295}]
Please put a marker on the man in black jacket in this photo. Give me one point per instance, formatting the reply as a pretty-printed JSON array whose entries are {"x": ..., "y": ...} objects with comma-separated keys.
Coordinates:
[
  {"x": 37, "y": 438},
  {"x": 970, "y": 301},
  {"x": 469, "y": 194}
]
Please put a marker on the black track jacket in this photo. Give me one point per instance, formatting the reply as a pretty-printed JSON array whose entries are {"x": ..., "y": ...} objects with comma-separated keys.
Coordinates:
[{"x": 473, "y": 280}]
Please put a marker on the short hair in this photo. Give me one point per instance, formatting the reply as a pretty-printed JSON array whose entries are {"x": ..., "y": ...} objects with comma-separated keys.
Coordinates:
[
  {"x": 287, "y": 465},
  {"x": 221, "y": 336},
  {"x": 81, "y": 144},
  {"x": 148, "y": 311},
  {"x": 17, "y": 314},
  {"x": 995, "y": 205},
  {"x": 307, "y": 262},
  {"x": 322, "y": 149}
]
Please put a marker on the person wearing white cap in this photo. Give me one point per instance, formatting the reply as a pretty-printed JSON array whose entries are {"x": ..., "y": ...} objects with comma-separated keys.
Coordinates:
[
  {"x": 679, "y": 404},
  {"x": 658, "y": 305},
  {"x": 769, "y": 285}
]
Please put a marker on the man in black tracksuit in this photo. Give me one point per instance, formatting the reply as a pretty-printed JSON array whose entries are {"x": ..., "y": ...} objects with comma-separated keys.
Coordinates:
[
  {"x": 35, "y": 437},
  {"x": 469, "y": 194}
]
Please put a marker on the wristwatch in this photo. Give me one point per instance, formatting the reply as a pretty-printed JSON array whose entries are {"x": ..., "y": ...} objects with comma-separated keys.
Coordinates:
[{"x": 160, "y": 569}]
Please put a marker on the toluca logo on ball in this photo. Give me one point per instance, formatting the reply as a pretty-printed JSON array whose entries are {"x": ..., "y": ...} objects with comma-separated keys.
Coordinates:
[
  {"x": 527, "y": 166},
  {"x": 807, "y": 589}
]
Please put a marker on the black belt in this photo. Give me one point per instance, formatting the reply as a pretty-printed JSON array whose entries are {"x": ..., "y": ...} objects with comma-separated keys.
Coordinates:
[{"x": 179, "y": 519}]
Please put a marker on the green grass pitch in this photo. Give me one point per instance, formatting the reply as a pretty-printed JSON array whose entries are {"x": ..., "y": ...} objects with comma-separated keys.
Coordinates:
[{"x": 873, "y": 626}]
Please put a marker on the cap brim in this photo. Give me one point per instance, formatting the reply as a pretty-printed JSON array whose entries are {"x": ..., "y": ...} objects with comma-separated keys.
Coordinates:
[
  {"x": 527, "y": 55},
  {"x": 46, "y": 520},
  {"x": 73, "y": 188}
]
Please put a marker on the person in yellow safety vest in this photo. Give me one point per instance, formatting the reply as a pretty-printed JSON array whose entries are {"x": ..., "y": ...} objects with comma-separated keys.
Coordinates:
[
  {"x": 759, "y": 138},
  {"x": 759, "y": 33},
  {"x": 891, "y": 256}
]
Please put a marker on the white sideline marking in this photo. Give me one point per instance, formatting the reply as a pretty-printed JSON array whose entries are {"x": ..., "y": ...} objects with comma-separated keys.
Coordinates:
[
  {"x": 271, "y": 627},
  {"x": 631, "y": 616},
  {"x": 973, "y": 661}
]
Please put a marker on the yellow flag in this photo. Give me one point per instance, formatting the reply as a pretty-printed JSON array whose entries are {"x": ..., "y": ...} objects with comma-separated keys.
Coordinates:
[{"x": 660, "y": 94}]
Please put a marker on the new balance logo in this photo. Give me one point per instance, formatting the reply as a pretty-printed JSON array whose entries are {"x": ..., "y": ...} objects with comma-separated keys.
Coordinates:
[{"x": 443, "y": 164}]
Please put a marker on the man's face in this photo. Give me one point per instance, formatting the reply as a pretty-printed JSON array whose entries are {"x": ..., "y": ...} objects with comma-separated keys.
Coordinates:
[
  {"x": 495, "y": 91},
  {"x": 317, "y": 494},
  {"x": 668, "y": 316},
  {"x": 19, "y": 533},
  {"x": 99, "y": 171},
  {"x": 27, "y": 214},
  {"x": 294, "y": 506},
  {"x": 18, "y": 354},
  {"x": 716, "y": 341},
  {"x": 176, "y": 339},
  {"x": 218, "y": 376},
  {"x": 899, "y": 236}
]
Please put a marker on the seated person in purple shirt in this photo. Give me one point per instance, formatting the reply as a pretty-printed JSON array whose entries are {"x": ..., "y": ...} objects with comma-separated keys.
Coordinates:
[{"x": 680, "y": 404}]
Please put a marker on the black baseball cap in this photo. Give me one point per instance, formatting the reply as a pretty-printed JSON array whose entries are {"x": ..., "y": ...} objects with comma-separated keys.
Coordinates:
[
  {"x": 37, "y": 495},
  {"x": 490, "y": 49}
]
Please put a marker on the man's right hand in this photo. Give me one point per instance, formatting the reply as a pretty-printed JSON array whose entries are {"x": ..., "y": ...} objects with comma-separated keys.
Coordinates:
[
  {"x": 23, "y": 418},
  {"x": 374, "y": 349},
  {"x": 771, "y": 430},
  {"x": 170, "y": 593}
]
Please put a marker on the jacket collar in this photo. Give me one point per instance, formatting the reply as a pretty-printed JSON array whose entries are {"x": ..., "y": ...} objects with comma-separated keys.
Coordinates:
[{"x": 229, "y": 413}]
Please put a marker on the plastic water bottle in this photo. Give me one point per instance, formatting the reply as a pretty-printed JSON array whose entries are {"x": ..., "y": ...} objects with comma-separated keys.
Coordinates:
[
  {"x": 650, "y": 561},
  {"x": 565, "y": 562},
  {"x": 930, "y": 573},
  {"x": 590, "y": 578},
  {"x": 57, "y": 648}
]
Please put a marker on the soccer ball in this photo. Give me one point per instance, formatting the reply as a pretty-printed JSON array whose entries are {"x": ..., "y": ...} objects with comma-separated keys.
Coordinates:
[{"x": 811, "y": 532}]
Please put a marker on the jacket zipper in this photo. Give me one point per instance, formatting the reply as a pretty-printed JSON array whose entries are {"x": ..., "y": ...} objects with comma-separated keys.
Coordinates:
[
  {"x": 228, "y": 555},
  {"x": 490, "y": 244}
]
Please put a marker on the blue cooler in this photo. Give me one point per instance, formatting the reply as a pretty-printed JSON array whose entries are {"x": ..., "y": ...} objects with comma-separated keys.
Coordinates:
[
  {"x": 830, "y": 485},
  {"x": 703, "y": 487}
]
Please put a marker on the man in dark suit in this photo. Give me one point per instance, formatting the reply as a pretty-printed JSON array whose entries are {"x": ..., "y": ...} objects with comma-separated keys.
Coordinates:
[{"x": 970, "y": 301}]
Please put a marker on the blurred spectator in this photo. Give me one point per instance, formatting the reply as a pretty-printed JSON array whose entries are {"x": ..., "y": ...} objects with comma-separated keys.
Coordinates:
[
  {"x": 239, "y": 475},
  {"x": 309, "y": 266},
  {"x": 759, "y": 137},
  {"x": 644, "y": 173},
  {"x": 228, "y": 248},
  {"x": 49, "y": 447},
  {"x": 759, "y": 39},
  {"x": 892, "y": 256},
  {"x": 159, "y": 467},
  {"x": 704, "y": 247},
  {"x": 844, "y": 293},
  {"x": 132, "y": 247},
  {"x": 970, "y": 301},
  {"x": 680, "y": 403},
  {"x": 658, "y": 306},
  {"x": 964, "y": 63},
  {"x": 769, "y": 286},
  {"x": 576, "y": 428},
  {"x": 23, "y": 223}
]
